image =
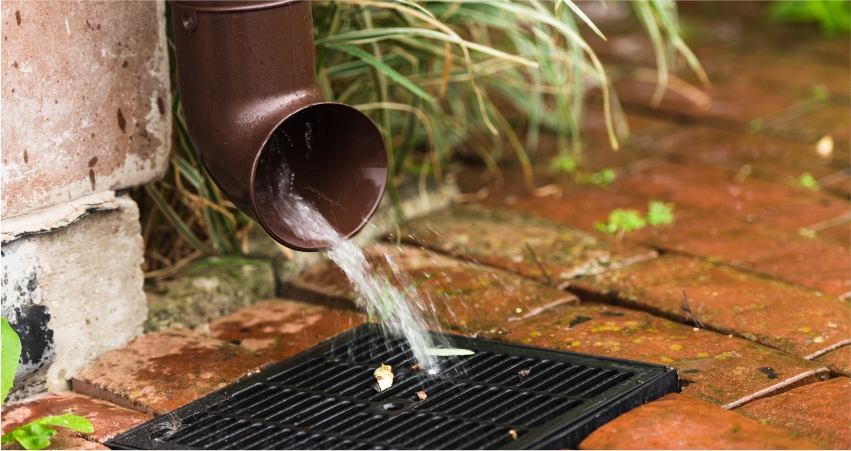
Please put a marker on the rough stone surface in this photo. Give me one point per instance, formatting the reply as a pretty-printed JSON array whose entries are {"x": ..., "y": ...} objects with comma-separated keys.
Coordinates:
[
  {"x": 729, "y": 301},
  {"x": 715, "y": 368},
  {"x": 820, "y": 412},
  {"x": 839, "y": 361},
  {"x": 682, "y": 422},
  {"x": 86, "y": 100},
  {"x": 499, "y": 239},
  {"x": 213, "y": 288},
  {"x": 162, "y": 371},
  {"x": 278, "y": 329},
  {"x": 465, "y": 297},
  {"x": 68, "y": 302},
  {"x": 108, "y": 419}
]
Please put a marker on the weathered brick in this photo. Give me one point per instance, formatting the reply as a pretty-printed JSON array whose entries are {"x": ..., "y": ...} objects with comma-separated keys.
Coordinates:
[
  {"x": 839, "y": 360},
  {"x": 161, "y": 371},
  {"x": 466, "y": 297},
  {"x": 715, "y": 368},
  {"x": 278, "y": 329},
  {"x": 682, "y": 422},
  {"x": 729, "y": 301},
  {"x": 108, "y": 419},
  {"x": 500, "y": 239},
  {"x": 819, "y": 412}
]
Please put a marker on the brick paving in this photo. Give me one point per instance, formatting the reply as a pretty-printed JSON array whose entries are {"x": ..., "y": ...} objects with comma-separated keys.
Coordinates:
[{"x": 770, "y": 370}]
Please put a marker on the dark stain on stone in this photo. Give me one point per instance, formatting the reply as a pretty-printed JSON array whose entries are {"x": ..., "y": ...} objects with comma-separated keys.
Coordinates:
[
  {"x": 93, "y": 161},
  {"x": 18, "y": 17},
  {"x": 26, "y": 157},
  {"x": 31, "y": 326},
  {"x": 579, "y": 320},
  {"x": 15, "y": 64},
  {"x": 122, "y": 124},
  {"x": 611, "y": 314},
  {"x": 92, "y": 178},
  {"x": 613, "y": 296},
  {"x": 125, "y": 64},
  {"x": 768, "y": 371},
  {"x": 691, "y": 371},
  {"x": 161, "y": 105}
]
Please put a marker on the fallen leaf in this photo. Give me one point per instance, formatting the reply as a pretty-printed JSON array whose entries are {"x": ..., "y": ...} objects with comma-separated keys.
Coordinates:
[
  {"x": 445, "y": 352},
  {"x": 384, "y": 377},
  {"x": 524, "y": 373},
  {"x": 422, "y": 395},
  {"x": 513, "y": 434},
  {"x": 416, "y": 367}
]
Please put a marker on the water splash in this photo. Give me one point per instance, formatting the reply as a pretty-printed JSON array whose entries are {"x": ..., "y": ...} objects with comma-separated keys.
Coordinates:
[{"x": 403, "y": 312}]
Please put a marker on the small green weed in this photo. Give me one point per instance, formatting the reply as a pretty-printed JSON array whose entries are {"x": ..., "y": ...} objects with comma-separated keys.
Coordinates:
[
  {"x": 34, "y": 435},
  {"x": 622, "y": 221},
  {"x": 833, "y": 17},
  {"x": 806, "y": 180}
]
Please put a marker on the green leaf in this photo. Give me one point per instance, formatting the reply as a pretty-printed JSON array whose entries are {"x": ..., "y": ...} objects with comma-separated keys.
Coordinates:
[
  {"x": 385, "y": 69},
  {"x": 446, "y": 352},
  {"x": 36, "y": 435},
  {"x": 10, "y": 359},
  {"x": 660, "y": 213}
]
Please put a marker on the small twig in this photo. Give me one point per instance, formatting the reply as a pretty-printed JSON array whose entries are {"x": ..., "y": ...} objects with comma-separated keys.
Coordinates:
[
  {"x": 540, "y": 266},
  {"x": 686, "y": 308}
]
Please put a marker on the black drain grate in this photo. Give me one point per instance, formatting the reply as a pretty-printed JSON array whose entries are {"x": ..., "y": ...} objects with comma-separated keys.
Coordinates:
[{"x": 324, "y": 398}]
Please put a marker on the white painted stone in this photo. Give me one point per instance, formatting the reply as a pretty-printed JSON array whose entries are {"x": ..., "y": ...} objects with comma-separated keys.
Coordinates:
[{"x": 88, "y": 277}]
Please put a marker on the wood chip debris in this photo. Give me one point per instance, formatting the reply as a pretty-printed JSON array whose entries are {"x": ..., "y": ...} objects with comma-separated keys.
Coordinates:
[
  {"x": 524, "y": 373},
  {"x": 422, "y": 395},
  {"x": 383, "y": 377},
  {"x": 417, "y": 367},
  {"x": 513, "y": 434}
]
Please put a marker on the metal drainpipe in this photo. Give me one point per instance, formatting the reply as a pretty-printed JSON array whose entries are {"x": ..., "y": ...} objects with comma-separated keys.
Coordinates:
[{"x": 247, "y": 85}]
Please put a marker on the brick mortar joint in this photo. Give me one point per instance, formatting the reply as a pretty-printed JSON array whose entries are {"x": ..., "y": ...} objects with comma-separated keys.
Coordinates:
[{"x": 777, "y": 389}]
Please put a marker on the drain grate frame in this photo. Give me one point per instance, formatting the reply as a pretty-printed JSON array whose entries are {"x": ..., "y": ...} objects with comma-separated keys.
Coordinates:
[{"x": 323, "y": 398}]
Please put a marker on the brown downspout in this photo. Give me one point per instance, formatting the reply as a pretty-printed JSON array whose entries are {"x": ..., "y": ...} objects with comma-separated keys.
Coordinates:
[{"x": 247, "y": 85}]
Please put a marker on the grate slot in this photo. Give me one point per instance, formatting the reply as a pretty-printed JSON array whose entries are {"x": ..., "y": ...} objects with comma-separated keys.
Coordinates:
[
  {"x": 538, "y": 373},
  {"x": 447, "y": 430},
  {"x": 590, "y": 382},
  {"x": 523, "y": 406},
  {"x": 566, "y": 372},
  {"x": 324, "y": 398},
  {"x": 256, "y": 430},
  {"x": 553, "y": 413},
  {"x": 305, "y": 368},
  {"x": 498, "y": 367},
  {"x": 341, "y": 416},
  {"x": 510, "y": 373},
  {"x": 431, "y": 401},
  {"x": 606, "y": 384},
  {"x": 505, "y": 405},
  {"x": 415, "y": 423},
  {"x": 458, "y": 441},
  {"x": 475, "y": 400},
  {"x": 574, "y": 380},
  {"x": 428, "y": 427}
]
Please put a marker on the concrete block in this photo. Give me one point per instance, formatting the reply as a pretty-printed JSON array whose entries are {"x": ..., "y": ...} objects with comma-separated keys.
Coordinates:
[
  {"x": 86, "y": 101},
  {"x": 73, "y": 294}
]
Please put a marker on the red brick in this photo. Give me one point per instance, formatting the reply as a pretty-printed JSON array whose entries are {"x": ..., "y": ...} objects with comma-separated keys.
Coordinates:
[
  {"x": 729, "y": 301},
  {"x": 820, "y": 412},
  {"x": 498, "y": 238},
  {"x": 277, "y": 329},
  {"x": 681, "y": 422},
  {"x": 466, "y": 297},
  {"x": 108, "y": 419},
  {"x": 161, "y": 371},
  {"x": 839, "y": 360},
  {"x": 715, "y": 368}
]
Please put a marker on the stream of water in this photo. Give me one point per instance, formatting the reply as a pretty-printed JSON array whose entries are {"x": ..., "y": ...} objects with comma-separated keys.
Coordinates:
[{"x": 401, "y": 312}]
